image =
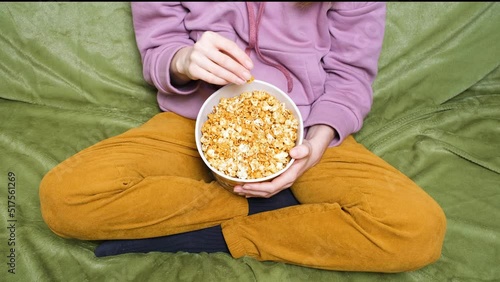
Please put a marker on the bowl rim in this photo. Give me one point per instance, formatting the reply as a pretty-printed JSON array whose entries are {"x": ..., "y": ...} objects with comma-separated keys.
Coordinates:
[{"x": 213, "y": 96}]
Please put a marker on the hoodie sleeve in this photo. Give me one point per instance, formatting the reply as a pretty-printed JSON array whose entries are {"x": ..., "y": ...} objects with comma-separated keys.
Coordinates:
[
  {"x": 357, "y": 31},
  {"x": 160, "y": 33}
]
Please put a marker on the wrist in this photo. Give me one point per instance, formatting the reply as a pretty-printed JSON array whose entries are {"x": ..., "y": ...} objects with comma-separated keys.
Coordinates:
[
  {"x": 321, "y": 134},
  {"x": 178, "y": 75}
]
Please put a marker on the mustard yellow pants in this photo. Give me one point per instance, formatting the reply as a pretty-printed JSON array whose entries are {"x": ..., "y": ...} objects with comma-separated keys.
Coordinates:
[{"x": 357, "y": 212}]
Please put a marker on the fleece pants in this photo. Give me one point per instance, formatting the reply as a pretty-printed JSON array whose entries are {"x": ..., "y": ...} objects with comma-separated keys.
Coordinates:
[{"x": 356, "y": 212}]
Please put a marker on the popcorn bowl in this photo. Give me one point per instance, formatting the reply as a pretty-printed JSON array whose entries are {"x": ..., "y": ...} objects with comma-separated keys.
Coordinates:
[{"x": 232, "y": 90}]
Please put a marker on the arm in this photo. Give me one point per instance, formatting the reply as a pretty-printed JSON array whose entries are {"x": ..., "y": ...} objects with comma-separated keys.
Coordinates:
[
  {"x": 213, "y": 59},
  {"x": 172, "y": 61},
  {"x": 306, "y": 155},
  {"x": 160, "y": 33},
  {"x": 357, "y": 31}
]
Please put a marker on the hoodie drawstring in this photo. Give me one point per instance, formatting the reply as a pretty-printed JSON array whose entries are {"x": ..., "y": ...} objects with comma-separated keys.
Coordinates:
[{"x": 253, "y": 41}]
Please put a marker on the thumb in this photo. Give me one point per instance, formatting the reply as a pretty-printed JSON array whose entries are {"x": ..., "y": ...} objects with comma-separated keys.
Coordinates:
[{"x": 301, "y": 151}]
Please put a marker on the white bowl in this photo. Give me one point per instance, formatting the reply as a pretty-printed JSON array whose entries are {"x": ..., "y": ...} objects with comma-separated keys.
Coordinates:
[{"x": 232, "y": 90}]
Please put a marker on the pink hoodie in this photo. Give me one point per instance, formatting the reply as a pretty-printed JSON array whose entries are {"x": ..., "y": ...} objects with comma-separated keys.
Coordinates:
[{"x": 325, "y": 56}]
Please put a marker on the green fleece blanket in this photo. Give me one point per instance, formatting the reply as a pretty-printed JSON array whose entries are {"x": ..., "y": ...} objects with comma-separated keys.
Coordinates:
[{"x": 70, "y": 76}]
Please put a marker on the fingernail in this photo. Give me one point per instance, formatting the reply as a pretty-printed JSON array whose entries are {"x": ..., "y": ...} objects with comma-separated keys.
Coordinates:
[{"x": 246, "y": 75}]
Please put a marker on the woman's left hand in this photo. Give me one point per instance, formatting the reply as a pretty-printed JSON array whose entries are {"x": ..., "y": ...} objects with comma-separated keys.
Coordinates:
[{"x": 306, "y": 155}]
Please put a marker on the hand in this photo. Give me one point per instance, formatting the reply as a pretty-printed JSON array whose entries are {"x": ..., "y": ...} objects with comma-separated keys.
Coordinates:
[
  {"x": 214, "y": 59},
  {"x": 306, "y": 155}
]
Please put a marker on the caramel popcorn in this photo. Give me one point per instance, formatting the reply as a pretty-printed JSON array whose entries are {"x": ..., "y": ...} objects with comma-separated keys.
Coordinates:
[{"x": 249, "y": 136}]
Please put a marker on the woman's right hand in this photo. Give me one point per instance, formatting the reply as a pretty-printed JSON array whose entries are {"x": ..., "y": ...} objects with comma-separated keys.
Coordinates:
[{"x": 214, "y": 59}]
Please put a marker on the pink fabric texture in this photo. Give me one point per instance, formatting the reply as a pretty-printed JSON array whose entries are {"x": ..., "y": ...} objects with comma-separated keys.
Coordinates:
[{"x": 325, "y": 56}]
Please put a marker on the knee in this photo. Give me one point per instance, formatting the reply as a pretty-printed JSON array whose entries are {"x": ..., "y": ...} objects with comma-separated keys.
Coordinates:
[
  {"x": 60, "y": 207},
  {"x": 50, "y": 202},
  {"x": 53, "y": 205},
  {"x": 420, "y": 238}
]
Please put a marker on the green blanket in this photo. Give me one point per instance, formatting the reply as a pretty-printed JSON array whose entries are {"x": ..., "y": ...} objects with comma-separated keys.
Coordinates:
[{"x": 70, "y": 76}]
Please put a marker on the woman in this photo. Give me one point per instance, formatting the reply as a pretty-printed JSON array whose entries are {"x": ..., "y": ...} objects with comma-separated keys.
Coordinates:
[{"x": 338, "y": 207}]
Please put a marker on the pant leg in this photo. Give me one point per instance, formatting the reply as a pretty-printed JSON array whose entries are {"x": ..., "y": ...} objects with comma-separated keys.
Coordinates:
[
  {"x": 149, "y": 181},
  {"x": 357, "y": 213}
]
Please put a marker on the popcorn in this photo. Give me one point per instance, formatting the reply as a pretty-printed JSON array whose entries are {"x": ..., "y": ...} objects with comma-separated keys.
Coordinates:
[{"x": 249, "y": 136}]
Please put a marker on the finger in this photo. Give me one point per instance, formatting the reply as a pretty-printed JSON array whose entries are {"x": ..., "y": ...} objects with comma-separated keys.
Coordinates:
[
  {"x": 231, "y": 49},
  {"x": 238, "y": 190},
  {"x": 259, "y": 194},
  {"x": 283, "y": 181},
  {"x": 225, "y": 53},
  {"x": 230, "y": 68},
  {"x": 202, "y": 67},
  {"x": 301, "y": 151},
  {"x": 264, "y": 189},
  {"x": 198, "y": 72}
]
